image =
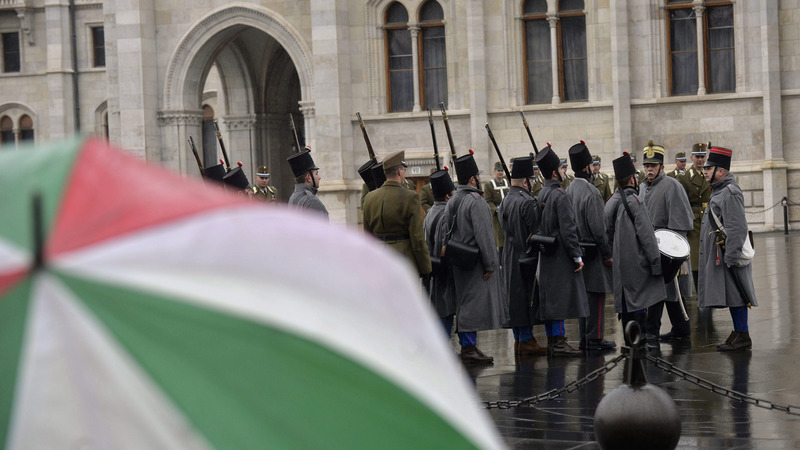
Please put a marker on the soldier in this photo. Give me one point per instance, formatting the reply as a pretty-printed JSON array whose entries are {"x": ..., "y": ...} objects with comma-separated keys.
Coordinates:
[
  {"x": 680, "y": 165},
  {"x": 478, "y": 292},
  {"x": 494, "y": 191},
  {"x": 306, "y": 178},
  {"x": 637, "y": 279},
  {"x": 725, "y": 279},
  {"x": 519, "y": 218},
  {"x": 600, "y": 180},
  {"x": 393, "y": 215},
  {"x": 562, "y": 293},
  {"x": 236, "y": 181},
  {"x": 566, "y": 179},
  {"x": 639, "y": 174},
  {"x": 441, "y": 290},
  {"x": 538, "y": 181},
  {"x": 588, "y": 209},
  {"x": 669, "y": 208},
  {"x": 699, "y": 191},
  {"x": 426, "y": 195},
  {"x": 262, "y": 190}
]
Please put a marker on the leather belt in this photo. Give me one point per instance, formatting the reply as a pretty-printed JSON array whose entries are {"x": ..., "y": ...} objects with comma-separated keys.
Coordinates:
[{"x": 394, "y": 237}]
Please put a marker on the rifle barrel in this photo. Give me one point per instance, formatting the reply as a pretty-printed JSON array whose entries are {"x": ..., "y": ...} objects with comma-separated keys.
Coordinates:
[
  {"x": 530, "y": 135},
  {"x": 197, "y": 157},
  {"x": 366, "y": 138},
  {"x": 499, "y": 155},
  {"x": 294, "y": 134},
  {"x": 453, "y": 156},
  {"x": 435, "y": 145},
  {"x": 222, "y": 147}
]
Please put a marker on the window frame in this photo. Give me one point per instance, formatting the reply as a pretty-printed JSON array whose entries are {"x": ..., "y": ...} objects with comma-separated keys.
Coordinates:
[
  {"x": 529, "y": 17},
  {"x": 3, "y": 50},
  {"x": 93, "y": 45},
  {"x": 707, "y": 47},
  {"x": 421, "y": 54},
  {"x": 387, "y": 27},
  {"x": 559, "y": 49}
]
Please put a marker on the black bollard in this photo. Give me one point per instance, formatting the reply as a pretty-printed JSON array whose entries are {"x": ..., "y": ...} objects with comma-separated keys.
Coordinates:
[
  {"x": 785, "y": 203},
  {"x": 637, "y": 414}
]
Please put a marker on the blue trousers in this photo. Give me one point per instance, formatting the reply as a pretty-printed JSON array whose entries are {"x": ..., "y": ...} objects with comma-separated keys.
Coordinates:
[
  {"x": 554, "y": 328},
  {"x": 523, "y": 334}
]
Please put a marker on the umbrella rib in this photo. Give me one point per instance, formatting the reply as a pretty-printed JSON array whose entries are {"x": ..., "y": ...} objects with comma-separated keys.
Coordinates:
[{"x": 38, "y": 234}]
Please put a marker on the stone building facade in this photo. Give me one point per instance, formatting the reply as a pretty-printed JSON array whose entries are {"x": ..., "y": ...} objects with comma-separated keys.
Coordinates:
[{"x": 613, "y": 73}]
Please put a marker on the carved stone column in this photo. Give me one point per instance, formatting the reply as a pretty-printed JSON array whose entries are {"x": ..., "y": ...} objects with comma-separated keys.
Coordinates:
[
  {"x": 701, "y": 59},
  {"x": 414, "y": 31},
  {"x": 240, "y": 142},
  {"x": 176, "y": 127},
  {"x": 553, "y": 21}
]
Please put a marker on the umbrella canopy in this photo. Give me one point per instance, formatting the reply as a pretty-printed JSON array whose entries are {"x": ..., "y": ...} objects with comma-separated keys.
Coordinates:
[{"x": 169, "y": 314}]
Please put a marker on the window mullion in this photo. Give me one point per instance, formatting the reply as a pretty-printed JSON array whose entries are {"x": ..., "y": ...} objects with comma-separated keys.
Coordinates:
[
  {"x": 701, "y": 58},
  {"x": 415, "y": 54},
  {"x": 552, "y": 19}
]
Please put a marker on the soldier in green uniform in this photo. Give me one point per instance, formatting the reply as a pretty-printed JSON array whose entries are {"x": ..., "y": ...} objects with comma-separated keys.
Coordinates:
[
  {"x": 601, "y": 181},
  {"x": 494, "y": 191},
  {"x": 566, "y": 178},
  {"x": 680, "y": 165},
  {"x": 699, "y": 191},
  {"x": 538, "y": 182},
  {"x": 393, "y": 214},
  {"x": 426, "y": 195},
  {"x": 262, "y": 190}
]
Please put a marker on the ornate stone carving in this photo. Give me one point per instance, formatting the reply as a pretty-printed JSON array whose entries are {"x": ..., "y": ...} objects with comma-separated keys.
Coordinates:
[{"x": 190, "y": 117}]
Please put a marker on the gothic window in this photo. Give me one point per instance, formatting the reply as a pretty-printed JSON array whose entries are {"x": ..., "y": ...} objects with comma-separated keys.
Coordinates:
[
  {"x": 399, "y": 64},
  {"x": 538, "y": 65},
  {"x": 573, "y": 80},
  {"x": 716, "y": 41},
  {"x": 433, "y": 76},
  {"x": 209, "y": 138},
  {"x": 25, "y": 129},
  {"x": 6, "y": 132},
  {"x": 98, "y": 47},
  {"x": 11, "y": 57}
]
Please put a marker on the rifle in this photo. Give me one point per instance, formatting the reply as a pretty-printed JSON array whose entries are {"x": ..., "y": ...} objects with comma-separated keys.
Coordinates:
[
  {"x": 435, "y": 145},
  {"x": 372, "y": 171},
  {"x": 294, "y": 134},
  {"x": 499, "y": 155},
  {"x": 222, "y": 146},
  {"x": 525, "y": 122},
  {"x": 453, "y": 156},
  {"x": 197, "y": 157}
]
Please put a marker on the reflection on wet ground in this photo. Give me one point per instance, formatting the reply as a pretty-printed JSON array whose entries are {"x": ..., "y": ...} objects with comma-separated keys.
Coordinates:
[{"x": 771, "y": 371}]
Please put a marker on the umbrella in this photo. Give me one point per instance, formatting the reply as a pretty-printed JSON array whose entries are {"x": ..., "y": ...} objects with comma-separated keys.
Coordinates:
[{"x": 155, "y": 312}]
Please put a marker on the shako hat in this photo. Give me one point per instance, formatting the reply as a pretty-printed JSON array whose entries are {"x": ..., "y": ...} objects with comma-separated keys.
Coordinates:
[
  {"x": 719, "y": 157},
  {"x": 623, "y": 166},
  {"x": 262, "y": 171},
  {"x": 548, "y": 161},
  {"x": 466, "y": 167},
  {"x": 579, "y": 156},
  {"x": 522, "y": 168},
  {"x": 680, "y": 156},
  {"x": 441, "y": 183},
  {"x": 394, "y": 160},
  {"x": 214, "y": 173},
  {"x": 372, "y": 174},
  {"x": 699, "y": 149},
  {"x": 236, "y": 178},
  {"x": 653, "y": 154},
  {"x": 302, "y": 163}
]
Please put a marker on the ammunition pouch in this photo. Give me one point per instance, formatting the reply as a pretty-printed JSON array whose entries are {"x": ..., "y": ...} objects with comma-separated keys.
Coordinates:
[
  {"x": 545, "y": 244},
  {"x": 588, "y": 249},
  {"x": 460, "y": 255}
]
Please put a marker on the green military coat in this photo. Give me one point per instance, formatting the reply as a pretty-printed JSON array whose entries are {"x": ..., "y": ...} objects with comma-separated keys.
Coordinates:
[
  {"x": 699, "y": 192},
  {"x": 268, "y": 194},
  {"x": 603, "y": 184},
  {"x": 426, "y": 197},
  {"x": 393, "y": 214},
  {"x": 493, "y": 193}
]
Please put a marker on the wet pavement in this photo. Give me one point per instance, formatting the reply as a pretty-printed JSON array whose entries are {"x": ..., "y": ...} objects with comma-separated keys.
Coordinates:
[{"x": 770, "y": 371}]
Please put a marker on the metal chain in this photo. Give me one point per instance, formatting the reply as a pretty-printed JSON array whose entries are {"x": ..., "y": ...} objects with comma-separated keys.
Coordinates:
[
  {"x": 705, "y": 384},
  {"x": 555, "y": 393},
  {"x": 771, "y": 207}
]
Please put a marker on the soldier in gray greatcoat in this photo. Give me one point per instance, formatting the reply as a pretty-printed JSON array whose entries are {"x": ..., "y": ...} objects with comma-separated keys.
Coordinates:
[
  {"x": 478, "y": 291},
  {"x": 725, "y": 281},
  {"x": 669, "y": 208},
  {"x": 441, "y": 283},
  {"x": 519, "y": 218},
  {"x": 307, "y": 179},
  {"x": 638, "y": 283},
  {"x": 588, "y": 206},
  {"x": 562, "y": 294}
]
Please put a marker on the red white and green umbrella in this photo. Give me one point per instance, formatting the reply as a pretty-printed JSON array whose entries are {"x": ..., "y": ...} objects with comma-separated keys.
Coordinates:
[{"x": 167, "y": 314}]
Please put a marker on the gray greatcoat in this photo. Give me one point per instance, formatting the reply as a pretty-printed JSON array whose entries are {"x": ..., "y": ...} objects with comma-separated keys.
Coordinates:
[
  {"x": 442, "y": 298},
  {"x": 479, "y": 304},
  {"x": 305, "y": 197},
  {"x": 717, "y": 283},
  {"x": 637, "y": 260},
  {"x": 668, "y": 206},
  {"x": 562, "y": 293},
  {"x": 588, "y": 205},
  {"x": 519, "y": 217}
]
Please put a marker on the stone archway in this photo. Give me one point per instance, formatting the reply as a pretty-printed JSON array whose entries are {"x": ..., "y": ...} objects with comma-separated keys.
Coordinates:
[{"x": 234, "y": 37}]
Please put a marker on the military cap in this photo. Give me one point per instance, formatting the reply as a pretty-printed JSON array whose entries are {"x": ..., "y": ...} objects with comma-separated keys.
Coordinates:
[
  {"x": 498, "y": 165},
  {"x": 563, "y": 162},
  {"x": 394, "y": 160},
  {"x": 236, "y": 178},
  {"x": 681, "y": 156},
  {"x": 262, "y": 171},
  {"x": 699, "y": 149},
  {"x": 653, "y": 154},
  {"x": 441, "y": 183},
  {"x": 623, "y": 167},
  {"x": 719, "y": 157},
  {"x": 579, "y": 156},
  {"x": 596, "y": 160},
  {"x": 302, "y": 162},
  {"x": 466, "y": 167},
  {"x": 523, "y": 167},
  {"x": 214, "y": 173},
  {"x": 548, "y": 161}
]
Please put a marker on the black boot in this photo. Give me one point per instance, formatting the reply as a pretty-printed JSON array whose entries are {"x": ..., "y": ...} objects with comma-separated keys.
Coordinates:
[{"x": 558, "y": 346}]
